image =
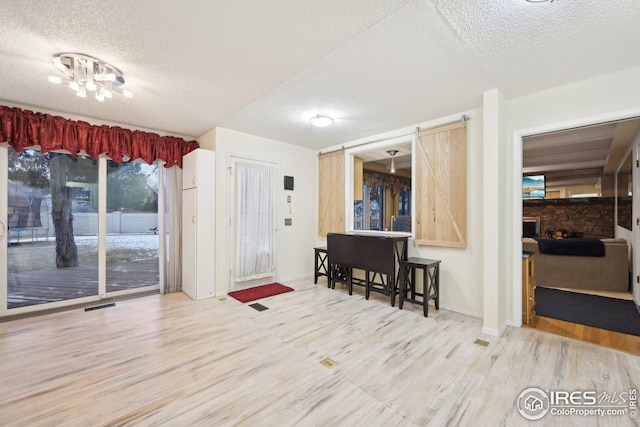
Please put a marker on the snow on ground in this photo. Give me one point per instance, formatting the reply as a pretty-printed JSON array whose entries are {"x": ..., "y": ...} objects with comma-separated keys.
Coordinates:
[{"x": 29, "y": 256}]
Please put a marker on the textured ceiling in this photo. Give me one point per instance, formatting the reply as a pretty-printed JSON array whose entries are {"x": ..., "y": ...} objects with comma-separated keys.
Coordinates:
[
  {"x": 190, "y": 64},
  {"x": 264, "y": 67},
  {"x": 526, "y": 47}
]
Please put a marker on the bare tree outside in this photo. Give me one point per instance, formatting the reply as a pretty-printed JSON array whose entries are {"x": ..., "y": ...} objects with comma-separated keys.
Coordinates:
[
  {"x": 33, "y": 175},
  {"x": 66, "y": 249}
]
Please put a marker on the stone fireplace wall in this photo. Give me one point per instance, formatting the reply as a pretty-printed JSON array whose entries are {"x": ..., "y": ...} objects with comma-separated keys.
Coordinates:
[{"x": 584, "y": 217}]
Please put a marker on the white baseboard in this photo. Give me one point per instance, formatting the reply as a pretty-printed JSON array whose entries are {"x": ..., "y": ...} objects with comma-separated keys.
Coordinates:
[
  {"x": 491, "y": 332},
  {"x": 465, "y": 312},
  {"x": 496, "y": 332},
  {"x": 296, "y": 279}
]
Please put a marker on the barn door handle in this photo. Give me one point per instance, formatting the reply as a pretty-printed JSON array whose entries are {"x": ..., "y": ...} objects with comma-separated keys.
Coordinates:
[
  {"x": 193, "y": 219},
  {"x": 193, "y": 180},
  {"x": 3, "y": 229}
]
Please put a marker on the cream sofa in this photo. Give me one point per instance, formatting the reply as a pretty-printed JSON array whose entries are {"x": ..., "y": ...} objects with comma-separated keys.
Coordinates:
[{"x": 607, "y": 273}]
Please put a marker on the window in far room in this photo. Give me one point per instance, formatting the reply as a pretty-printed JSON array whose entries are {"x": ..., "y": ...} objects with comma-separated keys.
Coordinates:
[
  {"x": 368, "y": 213},
  {"x": 382, "y": 188}
]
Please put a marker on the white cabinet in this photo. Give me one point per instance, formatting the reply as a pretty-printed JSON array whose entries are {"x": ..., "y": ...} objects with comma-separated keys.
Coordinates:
[
  {"x": 198, "y": 224},
  {"x": 190, "y": 168}
]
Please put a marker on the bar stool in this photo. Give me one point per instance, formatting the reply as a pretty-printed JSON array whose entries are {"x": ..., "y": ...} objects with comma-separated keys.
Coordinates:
[
  {"x": 341, "y": 274},
  {"x": 321, "y": 267},
  {"x": 430, "y": 282}
]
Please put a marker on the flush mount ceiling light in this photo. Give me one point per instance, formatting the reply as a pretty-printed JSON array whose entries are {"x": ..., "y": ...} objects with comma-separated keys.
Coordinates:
[
  {"x": 321, "y": 120},
  {"x": 84, "y": 73},
  {"x": 392, "y": 153}
]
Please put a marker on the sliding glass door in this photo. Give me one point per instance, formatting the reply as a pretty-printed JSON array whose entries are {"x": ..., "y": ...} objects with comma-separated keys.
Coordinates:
[
  {"x": 74, "y": 229},
  {"x": 52, "y": 228},
  {"x": 132, "y": 250}
]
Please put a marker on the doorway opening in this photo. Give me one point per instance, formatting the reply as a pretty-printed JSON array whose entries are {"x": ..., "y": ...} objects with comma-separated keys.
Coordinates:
[
  {"x": 585, "y": 193},
  {"x": 252, "y": 228}
]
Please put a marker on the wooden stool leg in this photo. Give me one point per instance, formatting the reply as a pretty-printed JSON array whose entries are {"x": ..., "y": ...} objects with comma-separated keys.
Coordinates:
[
  {"x": 391, "y": 284},
  {"x": 403, "y": 286},
  {"x": 315, "y": 274},
  {"x": 412, "y": 283},
  {"x": 425, "y": 292},
  {"x": 334, "y": 274},
  {"x": 367, "y": 285},
  {"x": 437, "y": 286}
]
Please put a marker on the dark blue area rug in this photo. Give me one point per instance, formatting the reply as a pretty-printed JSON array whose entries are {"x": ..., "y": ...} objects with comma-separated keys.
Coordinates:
[{"x": 591, "y": 310}]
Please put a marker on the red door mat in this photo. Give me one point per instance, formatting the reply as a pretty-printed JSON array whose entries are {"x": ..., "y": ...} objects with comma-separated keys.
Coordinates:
[{"x": 259, "y": 292}]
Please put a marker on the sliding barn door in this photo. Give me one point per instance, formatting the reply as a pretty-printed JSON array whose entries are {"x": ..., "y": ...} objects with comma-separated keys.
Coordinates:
[
  {"x": 441, "y": 195},
  {"x": 332, "y": 187}
]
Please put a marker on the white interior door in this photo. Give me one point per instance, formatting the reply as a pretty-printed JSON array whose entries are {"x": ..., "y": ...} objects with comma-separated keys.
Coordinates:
[
  {"x": 635, "y": 240},
  {"x": 252, "y": 226}
]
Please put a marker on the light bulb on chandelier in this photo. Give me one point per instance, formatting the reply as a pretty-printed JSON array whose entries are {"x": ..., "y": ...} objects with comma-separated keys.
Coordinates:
[{"x": 85, "y": 73}]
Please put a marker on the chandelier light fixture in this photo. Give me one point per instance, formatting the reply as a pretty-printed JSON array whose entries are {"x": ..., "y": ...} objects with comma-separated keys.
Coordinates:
[
  {"x": 84, "y": 73},
  {"x": 321, "y": 120},
  {"x": 392, "y": 153}
]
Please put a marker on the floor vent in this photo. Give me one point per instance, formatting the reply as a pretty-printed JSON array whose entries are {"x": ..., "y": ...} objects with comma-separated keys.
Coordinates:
[
  {"x": 481, "y": 342},
  {"x": 96, "y": 307},
  {"x": 258, "y": 306},
  {"x": 328, "y": 363}
]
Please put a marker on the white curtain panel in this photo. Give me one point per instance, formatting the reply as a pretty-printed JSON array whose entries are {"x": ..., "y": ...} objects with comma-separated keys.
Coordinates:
[
  {"x": 255, "y": 184},
  {"x": 173, "y": 229}
]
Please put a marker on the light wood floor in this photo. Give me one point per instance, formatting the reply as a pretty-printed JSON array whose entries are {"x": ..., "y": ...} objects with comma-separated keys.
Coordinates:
[{"x": 167, "y": 360}]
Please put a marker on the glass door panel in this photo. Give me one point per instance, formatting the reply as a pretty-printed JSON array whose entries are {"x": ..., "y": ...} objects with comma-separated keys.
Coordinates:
[
  {"x": 376, "y": 209},
  {"x": 132, "y": 243},
  {"x": 52, "y": 236}
]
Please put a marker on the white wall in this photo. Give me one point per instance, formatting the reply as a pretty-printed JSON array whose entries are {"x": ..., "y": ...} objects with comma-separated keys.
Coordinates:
[
  {"x": 461, "y": 270},
  {"x": 463, "y": 275},
  {"x": 485, "y": 278},
  {"x": 633, "y": 235},
  {"x": 610, "y": 97},
  {"x": 294, "y": 244},
  {"x": 496, "y": 271}
]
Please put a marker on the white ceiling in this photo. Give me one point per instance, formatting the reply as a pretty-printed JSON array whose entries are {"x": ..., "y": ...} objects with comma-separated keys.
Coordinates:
[
  {"x": 402, "y": 158},
  {"x": 265, "y": 66}
]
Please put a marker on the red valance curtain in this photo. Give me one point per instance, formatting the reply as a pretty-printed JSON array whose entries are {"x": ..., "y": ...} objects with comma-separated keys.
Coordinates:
[{"x": 23, "y": 128}]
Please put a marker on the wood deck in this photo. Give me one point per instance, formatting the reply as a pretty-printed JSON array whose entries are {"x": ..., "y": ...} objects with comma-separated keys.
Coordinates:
[{"x": 51, "y": 285}]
